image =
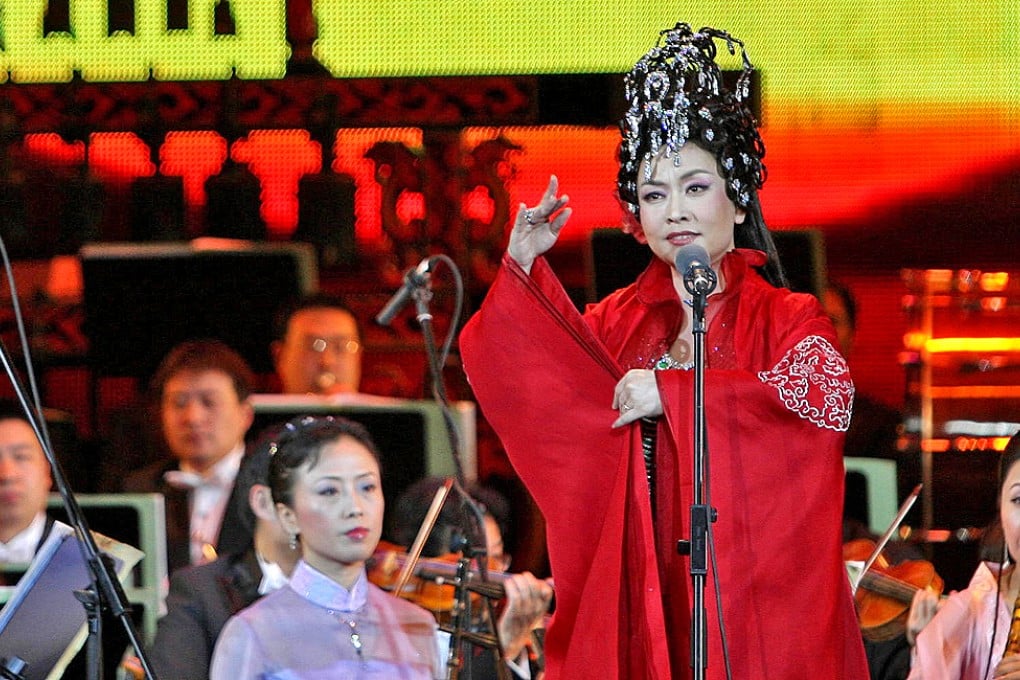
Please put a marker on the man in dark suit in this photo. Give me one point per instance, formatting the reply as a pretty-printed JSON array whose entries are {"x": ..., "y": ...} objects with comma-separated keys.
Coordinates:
[
  {"x": 25, "y": 482},
  {"x": 202, "y": 388},
  {"x": 202, "y": 598}
]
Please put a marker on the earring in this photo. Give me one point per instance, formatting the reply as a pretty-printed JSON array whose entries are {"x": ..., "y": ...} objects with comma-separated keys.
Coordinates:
[{"x": 293, "y": 542}]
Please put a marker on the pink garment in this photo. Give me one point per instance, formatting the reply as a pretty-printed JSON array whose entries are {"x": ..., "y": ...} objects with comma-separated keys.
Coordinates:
[{"x": 955, "y": 644}]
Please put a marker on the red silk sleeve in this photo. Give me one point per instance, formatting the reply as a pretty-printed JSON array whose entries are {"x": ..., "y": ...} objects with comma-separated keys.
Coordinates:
[{"x": 545, "y": 384}]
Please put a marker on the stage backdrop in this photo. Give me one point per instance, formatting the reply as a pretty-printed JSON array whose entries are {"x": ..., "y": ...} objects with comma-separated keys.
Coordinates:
[{"x": 892, "y": 127}]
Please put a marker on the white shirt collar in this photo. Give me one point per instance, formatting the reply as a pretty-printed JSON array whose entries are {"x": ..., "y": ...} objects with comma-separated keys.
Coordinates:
[
  {"x": 21, "y": 548},
  {"x": 221, "y": 474},
  {"x": 209, "y": 501},
  {"x": 273, "y": 577},
  {"x": 225, "y": 469}
]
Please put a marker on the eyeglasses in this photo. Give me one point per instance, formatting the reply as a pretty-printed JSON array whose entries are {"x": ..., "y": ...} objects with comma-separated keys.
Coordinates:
[{"x": 338, "y": 344}]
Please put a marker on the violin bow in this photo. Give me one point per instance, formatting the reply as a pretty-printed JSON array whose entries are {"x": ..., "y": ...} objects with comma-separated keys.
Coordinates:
[
  {"x": 423, "y": 533},
  {"x": 893, "y": 526}
]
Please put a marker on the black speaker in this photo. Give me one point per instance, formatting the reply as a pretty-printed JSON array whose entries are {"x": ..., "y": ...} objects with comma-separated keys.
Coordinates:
[
  {"x": 614, "y": 260},
  {"x": 14, "y": 228},
  {"x": 233, "y": 204},
  {"x": 157, "y": 209},
  {"x": 326, "y": 217},
  {"x": 802, "y": 254}
]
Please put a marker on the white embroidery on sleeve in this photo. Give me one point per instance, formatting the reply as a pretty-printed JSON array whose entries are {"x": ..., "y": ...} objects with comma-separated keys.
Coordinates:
[{"x": 813, "y": 381}]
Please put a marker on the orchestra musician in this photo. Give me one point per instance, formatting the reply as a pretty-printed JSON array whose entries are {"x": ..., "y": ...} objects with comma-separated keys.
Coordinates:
[
  {"x": 975, "y": 634},
  {"x": 328, "y": 620},
  {"x": 526, "y": 598}
]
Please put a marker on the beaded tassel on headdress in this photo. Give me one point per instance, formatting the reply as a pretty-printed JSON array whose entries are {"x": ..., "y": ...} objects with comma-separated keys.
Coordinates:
[{"x": 676, "y": 93}]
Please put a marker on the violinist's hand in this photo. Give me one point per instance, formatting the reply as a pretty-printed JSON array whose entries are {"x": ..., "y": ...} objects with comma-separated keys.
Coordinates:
[
  {"x": 1008, "y": 668},
  {"x": 131, "y": 667},
  {"x": 536, "y": 229},
  {"x": 636, "y": 396},
  {"x": 527, "y": 601},
  {"x": 923, "y": 608}
]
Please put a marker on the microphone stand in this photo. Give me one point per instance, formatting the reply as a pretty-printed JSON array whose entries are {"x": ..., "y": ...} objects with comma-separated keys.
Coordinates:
[
  {"x": 460, "y": 620},
  {"x": 462, "y": 603},
  {"x": 461, "y": 611},
  {"x": 105, "y": 590},
  {"x": 422, "y": 295},
  {"x": 701, "y": 511}
]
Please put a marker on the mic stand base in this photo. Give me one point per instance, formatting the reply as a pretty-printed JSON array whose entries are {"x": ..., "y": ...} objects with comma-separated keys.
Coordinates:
[{"x": 89, "y": 599}]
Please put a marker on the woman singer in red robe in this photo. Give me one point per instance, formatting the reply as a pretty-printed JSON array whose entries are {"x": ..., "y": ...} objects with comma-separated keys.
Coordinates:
[{"x": 596, "y": 410}]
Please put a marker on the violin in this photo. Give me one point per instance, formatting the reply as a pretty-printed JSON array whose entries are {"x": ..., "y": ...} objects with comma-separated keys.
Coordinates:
[
  {"x": 432, "y": 585},
  {"x": 886, "y": 591}
]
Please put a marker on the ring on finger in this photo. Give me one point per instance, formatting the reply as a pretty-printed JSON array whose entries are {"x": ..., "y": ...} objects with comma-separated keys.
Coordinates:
[
  {"x": 529, "y": 216},
  {"x": 625, "y": 407}
]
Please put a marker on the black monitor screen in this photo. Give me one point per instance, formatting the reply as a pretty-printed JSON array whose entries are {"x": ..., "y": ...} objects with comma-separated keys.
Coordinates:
[{"x": 141, "y": 301}]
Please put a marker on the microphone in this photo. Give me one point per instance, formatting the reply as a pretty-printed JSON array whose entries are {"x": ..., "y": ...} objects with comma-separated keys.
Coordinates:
[
  {"x": 693, "y": 265},
  {"x": 415, "y": 278}
]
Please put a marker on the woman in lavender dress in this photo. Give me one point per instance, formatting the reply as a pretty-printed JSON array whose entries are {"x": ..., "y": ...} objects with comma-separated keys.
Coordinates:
[{"x": 329, "y": 621}]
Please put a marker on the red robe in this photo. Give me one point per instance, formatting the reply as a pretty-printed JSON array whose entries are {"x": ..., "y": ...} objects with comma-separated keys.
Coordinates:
[{"x": 778, "y": 400}]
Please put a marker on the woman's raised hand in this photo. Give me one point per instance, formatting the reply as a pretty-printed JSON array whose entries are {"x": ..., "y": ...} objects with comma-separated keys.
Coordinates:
[{"x": 536, "y": 229}]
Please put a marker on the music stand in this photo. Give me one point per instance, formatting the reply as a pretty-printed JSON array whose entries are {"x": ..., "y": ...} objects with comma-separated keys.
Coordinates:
[{"x": 43, "y": 623}]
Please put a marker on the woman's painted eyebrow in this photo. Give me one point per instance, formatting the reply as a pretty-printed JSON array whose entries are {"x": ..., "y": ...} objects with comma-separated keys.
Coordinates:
[
  {"x": 360, "y": 475},
  {"x": 651, "y": 181}
]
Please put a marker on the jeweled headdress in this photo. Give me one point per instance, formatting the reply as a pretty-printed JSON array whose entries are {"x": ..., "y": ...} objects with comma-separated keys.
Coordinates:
[{"x": 676, "y": 93}]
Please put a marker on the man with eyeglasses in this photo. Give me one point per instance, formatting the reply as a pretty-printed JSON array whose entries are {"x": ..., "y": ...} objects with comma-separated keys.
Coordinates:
[{"x": 318, "y": 347}]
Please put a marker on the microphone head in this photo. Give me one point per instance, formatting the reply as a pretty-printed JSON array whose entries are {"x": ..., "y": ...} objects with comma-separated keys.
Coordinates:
[
  {"x": 690, "y": 255},
  {"x": 325, "y": 381},
  {"x": 420, "y": 275}
]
